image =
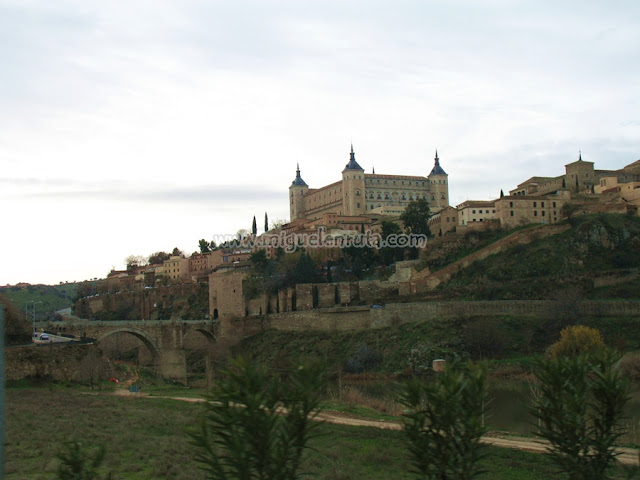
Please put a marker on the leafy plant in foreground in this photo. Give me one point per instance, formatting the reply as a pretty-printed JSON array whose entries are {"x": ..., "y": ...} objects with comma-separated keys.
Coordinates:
[
  {"x": 77, "y": 463},
  {"x": 579, "y": 405},
  {"x": 257, "y": 426},
  {"x": 444, "y": 424}
]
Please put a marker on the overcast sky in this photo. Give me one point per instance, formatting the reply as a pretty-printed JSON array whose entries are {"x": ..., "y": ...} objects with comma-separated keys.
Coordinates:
[{"x": 128, "y": 127}]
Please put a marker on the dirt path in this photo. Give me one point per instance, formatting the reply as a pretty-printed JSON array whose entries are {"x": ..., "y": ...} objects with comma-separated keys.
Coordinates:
[{"x": 627, "y": 456}]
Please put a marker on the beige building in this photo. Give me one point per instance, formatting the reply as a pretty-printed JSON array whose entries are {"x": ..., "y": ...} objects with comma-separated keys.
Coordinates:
[
  {"x": 514, "y": 211},
  {"x": 359, "y": 193},
  {"x": 579, "y": 177},
  {"x": 176, "y": 269},
  {"x": 476, "y": 211},
  {"x": 444, "y": 221}
]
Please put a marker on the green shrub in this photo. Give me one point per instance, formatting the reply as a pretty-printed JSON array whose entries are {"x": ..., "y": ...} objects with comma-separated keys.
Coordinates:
[
  {"x": 579, "y": 403},
  {"x": 443, "y": 422},
  {"x": 256, "y": 425}
]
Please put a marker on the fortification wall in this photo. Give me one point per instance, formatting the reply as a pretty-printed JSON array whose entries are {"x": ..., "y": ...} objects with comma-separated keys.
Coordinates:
[
  {"x": 363, "y": 317},
  {"x": 136, "y": 305},
  {"x": 56, "y": 362}
]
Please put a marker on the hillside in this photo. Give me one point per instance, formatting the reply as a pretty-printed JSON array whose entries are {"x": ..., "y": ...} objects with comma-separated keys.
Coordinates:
[
  {"x": 47, "y": 298},
  {"x": 598, "y": 257}
]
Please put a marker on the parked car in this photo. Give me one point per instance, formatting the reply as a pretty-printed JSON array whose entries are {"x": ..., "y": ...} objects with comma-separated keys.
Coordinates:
[{"x": 44, "y": 337}]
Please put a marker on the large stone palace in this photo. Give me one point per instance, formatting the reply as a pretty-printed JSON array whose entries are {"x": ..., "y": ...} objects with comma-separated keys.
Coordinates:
[{"x": 359, "y": 193}]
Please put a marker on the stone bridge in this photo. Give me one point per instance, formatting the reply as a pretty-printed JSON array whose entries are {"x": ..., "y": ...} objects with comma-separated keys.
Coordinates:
[{"x": 165, "y": 340}]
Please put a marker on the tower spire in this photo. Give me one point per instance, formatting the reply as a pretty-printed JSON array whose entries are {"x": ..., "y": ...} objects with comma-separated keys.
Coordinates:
[
  {"x": 298, "y": 181},
  {"x": 353, "y": 165},
  {"x": 437, "y": 169}
]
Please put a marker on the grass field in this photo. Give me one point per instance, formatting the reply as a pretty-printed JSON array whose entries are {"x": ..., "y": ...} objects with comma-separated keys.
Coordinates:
[{"x": 146, "y": 438}]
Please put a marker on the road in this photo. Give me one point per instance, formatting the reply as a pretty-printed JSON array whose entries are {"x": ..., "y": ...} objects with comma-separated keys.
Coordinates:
[{"x": 52, "y": 339}]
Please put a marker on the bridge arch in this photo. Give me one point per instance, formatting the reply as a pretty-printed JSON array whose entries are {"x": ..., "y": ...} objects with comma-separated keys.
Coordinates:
[
  {"x": 208, "y": 334},
  {"x": 141, "y": 335}
]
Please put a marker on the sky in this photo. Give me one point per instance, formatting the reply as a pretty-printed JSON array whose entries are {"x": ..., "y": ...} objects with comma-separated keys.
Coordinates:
[{"x": 130, "y": 127}]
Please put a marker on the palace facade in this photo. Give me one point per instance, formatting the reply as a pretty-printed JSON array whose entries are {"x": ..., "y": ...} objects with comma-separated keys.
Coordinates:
[{"x": 359, "y": 193}]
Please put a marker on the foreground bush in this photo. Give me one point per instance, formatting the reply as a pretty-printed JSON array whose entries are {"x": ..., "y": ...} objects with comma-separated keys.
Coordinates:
[
  {"x": 78, "y": 463},
  {"x": 579, "y": 404},
  {"x": 256, "y": 425},
  {"x": 444, "y": 424}
]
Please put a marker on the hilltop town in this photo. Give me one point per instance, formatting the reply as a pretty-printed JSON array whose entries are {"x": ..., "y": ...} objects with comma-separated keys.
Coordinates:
[{"x": 357, "y": 205}]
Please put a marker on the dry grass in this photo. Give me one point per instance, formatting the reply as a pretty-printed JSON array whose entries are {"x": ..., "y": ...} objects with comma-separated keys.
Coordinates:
[{"x": 353, "y": 395}]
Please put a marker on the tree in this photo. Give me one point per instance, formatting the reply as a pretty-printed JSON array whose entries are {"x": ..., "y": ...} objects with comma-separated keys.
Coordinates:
[
  {"x": 278, "y": 223},
  {"x": 77, "y": 463},
  {"x": 305, "y": 269},
  {"x": 92, "y": 369},
  {"x": 17, "y": 329},
  {"x": 259, "y": 261},
  {"x": 134, "y": 261},
  {"x": 158, "y": 257},
  {"x": 390, "y": 254},
  {"x": 416, "y": 217},
  {"x": 579, "y": 403},
  {"x": 176, "y": 252},
  {"x": 204, "y": 246},
  {"x": 266, "y": 223},
  {"x": 443, "y": 423},
  {"x": 212, "y": 245},
  {"x": 575, "y": 340},
  {"x": 257, "y": 426},
  {"x": 501, "y": 193},
  {"x": 568, "y": 210},
  {"x": 254, "y": 227}
]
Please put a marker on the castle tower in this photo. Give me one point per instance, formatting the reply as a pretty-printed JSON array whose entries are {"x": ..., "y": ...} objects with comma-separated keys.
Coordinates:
[
  {"x": 353, "y": 194},
  {"x": 579, "y": 175},
  {"x": 438, "y": 179},
  {"x": 297, "y": 192}
]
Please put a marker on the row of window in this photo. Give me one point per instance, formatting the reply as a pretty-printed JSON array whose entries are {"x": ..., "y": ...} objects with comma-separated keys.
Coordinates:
[
  {"x": 480, "y": 211},
  {"x": 408, "y": 182},
  {"x": 535, "y": 213},
  {"x": 535, "y": 205}
]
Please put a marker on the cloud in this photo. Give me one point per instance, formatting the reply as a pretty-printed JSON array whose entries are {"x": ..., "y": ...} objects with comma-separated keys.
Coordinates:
[{"x": 72, "y": 190}]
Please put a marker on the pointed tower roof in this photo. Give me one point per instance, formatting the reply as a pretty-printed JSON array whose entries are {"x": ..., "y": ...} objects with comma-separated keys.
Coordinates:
[
  {"x": 353, "y": 165},
  {"x": 437, "y": 169},
  {"x": 298, "y": 182}
]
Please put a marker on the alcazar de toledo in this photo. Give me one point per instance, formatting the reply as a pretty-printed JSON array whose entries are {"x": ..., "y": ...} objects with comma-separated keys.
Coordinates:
[
  {"x": 360, "y": 199},
  {"x": 360, "y": 202}
]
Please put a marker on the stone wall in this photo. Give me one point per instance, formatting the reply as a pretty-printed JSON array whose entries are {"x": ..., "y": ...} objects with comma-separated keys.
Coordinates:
[
  {"x": 374, "y": 291},
  {"x": 54, "y": 361},
  {"x": 363, "y": 317},
  {"x": 136, "y": 305},
  {"x": 304, "y": 296}
]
